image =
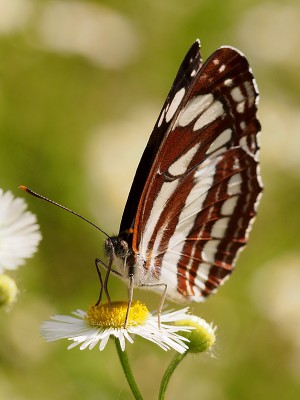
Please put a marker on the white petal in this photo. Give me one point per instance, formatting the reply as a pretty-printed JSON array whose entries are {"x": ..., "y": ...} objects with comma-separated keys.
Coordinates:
[
  {"x": 103, "y": 342},
  {"x": 121, "y": 339},
  {"x": 127, "y": 336},
  {"x": 71, "y": 346}
]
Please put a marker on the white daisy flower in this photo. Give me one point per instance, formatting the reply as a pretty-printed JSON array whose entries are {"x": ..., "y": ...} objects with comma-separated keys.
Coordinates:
[
  {"x": 19, "y": 232},
  {"x": 100, "y": 322}
]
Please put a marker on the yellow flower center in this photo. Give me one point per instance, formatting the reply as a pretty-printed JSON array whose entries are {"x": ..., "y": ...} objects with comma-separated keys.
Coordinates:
[{"x": 113, "y": 316}]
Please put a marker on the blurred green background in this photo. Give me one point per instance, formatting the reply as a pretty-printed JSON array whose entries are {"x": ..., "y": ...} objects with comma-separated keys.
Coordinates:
[{"x": 81, "y": 85}]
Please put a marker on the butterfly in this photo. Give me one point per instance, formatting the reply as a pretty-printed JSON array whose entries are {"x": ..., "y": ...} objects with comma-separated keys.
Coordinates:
[
  {"x": 196, "y": 189},
  {"x": 195, "y": 193}
]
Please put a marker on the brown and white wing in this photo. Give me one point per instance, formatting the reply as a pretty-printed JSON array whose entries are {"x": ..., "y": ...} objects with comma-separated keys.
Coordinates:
[{"x": 202, "y": 191}]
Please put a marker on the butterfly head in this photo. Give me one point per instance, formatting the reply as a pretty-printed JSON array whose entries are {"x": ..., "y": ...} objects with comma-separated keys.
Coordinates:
[{"x": 119, "y": 251}]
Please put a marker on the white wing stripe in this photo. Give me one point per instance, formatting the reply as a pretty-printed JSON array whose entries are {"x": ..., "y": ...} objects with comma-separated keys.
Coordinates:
[
  {"x": 175, "y": 104},
  {"x": 194, "y": 108},
  {"x": 161, "y": 118},
  {"x": 209, "y": 250},
  {"x": 166, "y": 191},
  {"x": 209, "y": 115},
  {"x": 219, "y": 228},
  {"x": 229, "y": 205},
  {"x": 180, "y": 166},
  {"x": 223, "y": 138},
  {"x": 234, "y": 184}
]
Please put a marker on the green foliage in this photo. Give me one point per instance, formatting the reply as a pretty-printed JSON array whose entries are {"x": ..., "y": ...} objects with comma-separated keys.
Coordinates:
[{"x": 53, "y": 107}]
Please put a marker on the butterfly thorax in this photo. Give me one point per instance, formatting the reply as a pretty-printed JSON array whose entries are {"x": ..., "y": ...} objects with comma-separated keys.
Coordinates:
[{"x": 123, "y": 256}]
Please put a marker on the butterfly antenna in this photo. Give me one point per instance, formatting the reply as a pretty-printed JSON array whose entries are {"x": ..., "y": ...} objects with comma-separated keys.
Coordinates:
[{"x": 39, "y": 196}]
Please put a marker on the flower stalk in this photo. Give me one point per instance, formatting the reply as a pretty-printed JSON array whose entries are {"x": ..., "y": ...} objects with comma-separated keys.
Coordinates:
[
  {"x": 168, "y": 373},
  {"x": 127, "y": 371}
]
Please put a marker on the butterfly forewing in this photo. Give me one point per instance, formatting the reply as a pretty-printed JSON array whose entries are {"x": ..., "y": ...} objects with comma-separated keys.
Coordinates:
[
  {"x": 186, "y": 73},
  {"x": 202, "y": 185}
]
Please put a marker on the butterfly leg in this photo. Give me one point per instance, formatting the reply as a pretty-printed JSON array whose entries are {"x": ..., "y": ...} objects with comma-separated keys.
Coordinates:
[
  {"x": 111, "y": 270},
  {"x": 130, "y": 296},
  {"x": 108, "y": 267},
  {"x": 103, "y": 285},
  {"x": 97, "y": 262},
  {"x": 162, "y": 299}
]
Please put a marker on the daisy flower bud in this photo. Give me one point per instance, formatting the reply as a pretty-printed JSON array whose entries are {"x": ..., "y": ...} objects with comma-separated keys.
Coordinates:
[
  {"x": 8, "y": 290},
  {"x": 202, "y": 337}
]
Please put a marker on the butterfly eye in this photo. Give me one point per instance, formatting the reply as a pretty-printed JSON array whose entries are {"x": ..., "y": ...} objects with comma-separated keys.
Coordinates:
[
  {"x": 117, "y": 246},
  {"x": 121, "y": 249}
]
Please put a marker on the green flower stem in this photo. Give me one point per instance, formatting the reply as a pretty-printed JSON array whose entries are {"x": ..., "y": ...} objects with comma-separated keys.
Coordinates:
[
  {"x": 169, "y": 372},
  {"x": 127, "y": 371}
]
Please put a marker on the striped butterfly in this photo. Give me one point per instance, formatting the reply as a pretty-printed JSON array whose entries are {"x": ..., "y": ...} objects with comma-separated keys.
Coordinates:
[
  {"x": 196, "y": 189},
  {"x": 197, "y": 186}
]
